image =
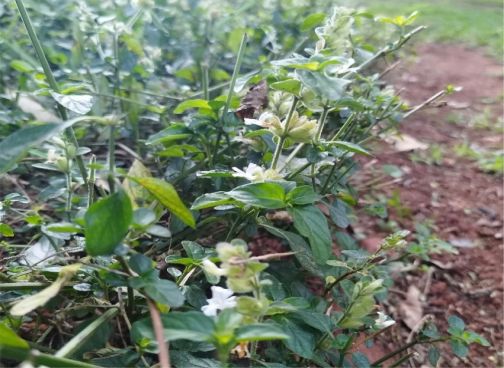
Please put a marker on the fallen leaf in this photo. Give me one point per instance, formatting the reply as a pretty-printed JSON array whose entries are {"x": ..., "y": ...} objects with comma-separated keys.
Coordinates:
[
  {"x": 411, "y": 308},
  {"x": 405, "y": 143}
]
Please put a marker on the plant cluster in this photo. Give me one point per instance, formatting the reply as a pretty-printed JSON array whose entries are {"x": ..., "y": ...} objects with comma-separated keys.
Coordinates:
[{"x": 149, "y": 232}]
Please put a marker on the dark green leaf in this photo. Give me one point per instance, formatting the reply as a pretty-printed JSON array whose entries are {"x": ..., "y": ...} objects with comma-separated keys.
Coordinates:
[
  {"x": 165, "y": 292},
  {"x": 107, "y": 222},
  {"x": 193, "y": 326},
  {"x": 263, "y": 195},
  {"x": 456, "y": 323},
  {"x": 260, "y": 332},
  {"x": 311, "y": 223},
  {"x": 17, "y": 144},
  {"x": 317, "y": 320},
  {"x": 459, "y": 348},
  {"x": 302, "y": 195},
  {"x": 330, "y": 88},
  {"x": 298, "y": 245},
  {"x": 170, "y": 134},
  {"x": 338, "y": 213},
  {"x": 360, "y": 360},
  {"x": 183, "y": 359},
  {"x": 301, "y": 341},
  {"x": 433, "y": 355}
]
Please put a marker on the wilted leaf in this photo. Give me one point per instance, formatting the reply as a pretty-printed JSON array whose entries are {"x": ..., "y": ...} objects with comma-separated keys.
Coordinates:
[
  {"x": 26, "y": 305},
  {"x": 80, "y": 104}
]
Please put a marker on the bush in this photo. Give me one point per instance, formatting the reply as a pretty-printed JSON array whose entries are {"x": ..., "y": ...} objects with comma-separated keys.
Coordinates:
[{"x": 205, "y": 219}]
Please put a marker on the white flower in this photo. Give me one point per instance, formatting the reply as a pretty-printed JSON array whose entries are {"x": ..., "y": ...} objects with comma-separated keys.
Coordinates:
[
  {"x": 221, "y": 299},
  {"x": 383, "y": 321},
  {"x": 256, "y": 173}
]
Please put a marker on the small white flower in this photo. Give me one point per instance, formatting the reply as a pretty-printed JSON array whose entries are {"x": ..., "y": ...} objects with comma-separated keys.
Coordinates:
[
  {"x": 221, "y": 299},
  {"x": 256, "y": 173},
  {"x": 383, "y": 321}
]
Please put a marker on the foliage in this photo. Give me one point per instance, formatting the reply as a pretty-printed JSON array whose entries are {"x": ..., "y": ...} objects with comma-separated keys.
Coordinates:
[{"x": 200, "y": 131}]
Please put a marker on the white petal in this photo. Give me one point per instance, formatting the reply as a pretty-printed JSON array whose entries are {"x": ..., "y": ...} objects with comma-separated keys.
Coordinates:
[
  {"x": 209, "y": 310},
  {"x": 220, "y": 293}
]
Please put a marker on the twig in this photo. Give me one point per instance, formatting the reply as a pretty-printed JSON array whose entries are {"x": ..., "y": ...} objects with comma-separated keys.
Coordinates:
[
  {"x": 157, "y": 324},
  {"x": 425, "y": 103}
]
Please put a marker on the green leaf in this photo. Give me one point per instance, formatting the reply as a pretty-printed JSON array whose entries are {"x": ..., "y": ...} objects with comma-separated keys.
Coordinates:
[
  {"x": 350, "y": 147},
  {"x": 263, "y": 195},
  {"x": 211, "y": 200},
  {"x": 289, "y": 85},
  {"x": 80, "y": 104},
  {"x": 166, "y": 194},
  {"x": 9, "y": 338},
  {"x": 172, "y": 133},
  {"x": 302, "y": 195},
  {"x": 165, "y": 292},
  {"x": 360, "y": 360},
  {"x": 301, "y": 341},
  {"x": 317, "y": 320},
  {"x": 311, "y": 223},
  {"x": 21, "y": 66},
  {"x": 191, "y": 104},
  {"x": 338, "y": 213},
  {"x": 17, "y": 144},
  {"x": 459, "y": 348},
  {"x": 433, "y": 355},
  {"x": 185, "y": 360},
  {"x": 6, "y": 230},
  {"x": 298, "y": 245},
  {"x": 193, "y": 326},
  {"x": 312, "y": 21},
  {"x": 106, "y": 223},
  {"x": 330, "y": 88},
  {"x": 456, "y": 323},
  {"x": 259, "y": 332}
]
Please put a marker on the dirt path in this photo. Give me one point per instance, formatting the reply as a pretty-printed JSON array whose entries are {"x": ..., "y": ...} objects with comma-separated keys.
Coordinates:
[{"x": 464, "y": 203}]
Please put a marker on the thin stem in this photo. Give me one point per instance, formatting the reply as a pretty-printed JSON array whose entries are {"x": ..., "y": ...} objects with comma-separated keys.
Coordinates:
[
  {"x": 281, "y": 142},
  {"x": 321, "y": 124},
  {"x": 236, "y": 71},
  {"x": 69, "y": 132},
  {"x": 204, "y": 81},
  {"x": 346, "y": 124},
  {"x": 425, "y": 103},
  {"x": 87, "y": 333},
  {"x": 406, "y": 347},
  {"x": 37, "y": 358},
  {"x": 91, "y": 180},
  {"x": 111, "y": 159}
]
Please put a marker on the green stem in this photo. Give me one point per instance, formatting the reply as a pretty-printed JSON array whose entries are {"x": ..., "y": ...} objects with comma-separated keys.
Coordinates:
[
  {"x": 69, "y": 132},
  {"x": 281, "y": 142},
  {"x": 91, "y": 180},
  {"x": 83, "y": 336},
  {"x": 20, "y": 355},
  {"x": 236, "y": 71},
  {"x": 111, "y": 159},
  {"x": 204, "y": 81},
  {"x": 321, "y": 124},
  {"x": 348, "y": 121}
]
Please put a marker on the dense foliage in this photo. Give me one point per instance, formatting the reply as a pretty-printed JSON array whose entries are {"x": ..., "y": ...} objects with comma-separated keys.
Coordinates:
[{"x": 192, "y": 184}]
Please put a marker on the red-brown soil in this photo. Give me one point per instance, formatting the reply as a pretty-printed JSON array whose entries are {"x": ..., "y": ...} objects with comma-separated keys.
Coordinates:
[{"x": 464, "y": 203}]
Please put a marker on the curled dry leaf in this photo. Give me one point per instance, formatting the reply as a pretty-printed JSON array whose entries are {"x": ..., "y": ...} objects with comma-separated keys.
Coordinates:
[{"x": 411, "y": 308}]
